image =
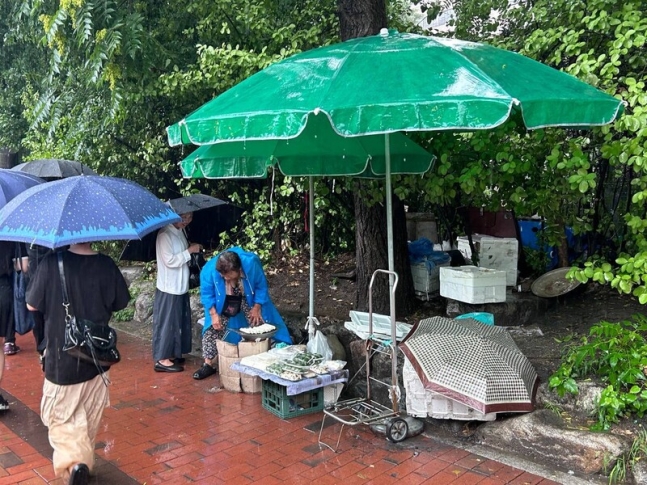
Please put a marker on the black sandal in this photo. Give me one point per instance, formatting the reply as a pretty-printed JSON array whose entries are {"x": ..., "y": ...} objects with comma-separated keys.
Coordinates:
[{"x": 203, "y": 372}]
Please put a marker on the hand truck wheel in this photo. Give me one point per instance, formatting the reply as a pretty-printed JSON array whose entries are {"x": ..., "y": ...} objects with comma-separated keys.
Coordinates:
[{"x": 397, "y": 430}]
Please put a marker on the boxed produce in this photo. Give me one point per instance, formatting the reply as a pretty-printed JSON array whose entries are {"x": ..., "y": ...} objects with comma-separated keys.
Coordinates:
[{"x": 228, "y": 354}]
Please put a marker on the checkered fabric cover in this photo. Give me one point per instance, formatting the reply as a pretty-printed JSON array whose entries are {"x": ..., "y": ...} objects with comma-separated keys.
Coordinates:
[{"x": 473, "y": 363}]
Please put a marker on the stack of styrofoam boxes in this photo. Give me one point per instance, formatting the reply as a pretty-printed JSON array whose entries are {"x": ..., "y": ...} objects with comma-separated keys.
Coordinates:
[
  {"x": 494, "y": 253},
  {"x": 426, "y": 281},
  {"x": 471, "y": 284},
  {"x": 422, "y": 402}
]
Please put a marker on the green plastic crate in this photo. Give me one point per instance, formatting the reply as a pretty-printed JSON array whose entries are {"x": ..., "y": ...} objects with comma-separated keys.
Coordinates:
[{"x": 276, "y": 401}]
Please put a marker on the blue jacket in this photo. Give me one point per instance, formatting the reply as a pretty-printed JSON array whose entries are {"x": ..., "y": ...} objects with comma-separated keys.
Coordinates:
[{"x": 212, "y": 293}]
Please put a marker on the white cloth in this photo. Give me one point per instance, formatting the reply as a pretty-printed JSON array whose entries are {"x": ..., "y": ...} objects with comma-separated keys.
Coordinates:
[{"x": 172, "y": 258}]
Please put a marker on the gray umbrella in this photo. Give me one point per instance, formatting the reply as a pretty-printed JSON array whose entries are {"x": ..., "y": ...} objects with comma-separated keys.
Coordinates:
[{"x": 54, "y": 168}]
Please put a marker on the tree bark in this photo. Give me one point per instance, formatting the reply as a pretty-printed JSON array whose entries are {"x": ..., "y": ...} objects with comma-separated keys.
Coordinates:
[{"x": 359, "y": 18}]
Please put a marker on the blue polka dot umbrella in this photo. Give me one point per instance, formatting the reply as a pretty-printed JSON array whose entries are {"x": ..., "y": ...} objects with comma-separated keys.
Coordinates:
[{"x": 83, "y": 209}]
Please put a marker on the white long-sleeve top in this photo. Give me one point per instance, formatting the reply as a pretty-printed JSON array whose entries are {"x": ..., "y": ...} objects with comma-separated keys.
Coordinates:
[{"x": 172, "y": 258}]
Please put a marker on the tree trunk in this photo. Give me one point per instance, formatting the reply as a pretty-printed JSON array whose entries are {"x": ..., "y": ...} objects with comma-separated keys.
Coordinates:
[
  {"x": 371, "y": 253},
  {"x": 359, "y": 18}
]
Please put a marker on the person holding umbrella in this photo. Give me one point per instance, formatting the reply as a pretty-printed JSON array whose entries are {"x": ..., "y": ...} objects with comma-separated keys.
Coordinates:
[
  {"x": 171, "y": 308},
  {"x": 74, "y": 392},
  {"x": 6, "y": 303},
  {"x": 77, "y": 211}
]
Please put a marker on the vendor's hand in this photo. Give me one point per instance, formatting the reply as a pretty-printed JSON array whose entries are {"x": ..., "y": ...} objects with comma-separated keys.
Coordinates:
[
  {"x": 255, "y": 318},
  {"x": 216, "y": 323},
  {"x": 195, "y": 248}
]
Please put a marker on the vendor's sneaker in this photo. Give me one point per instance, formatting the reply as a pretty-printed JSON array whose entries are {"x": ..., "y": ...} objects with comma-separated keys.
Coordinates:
[
  {"x": 11, "y": 348},
  {"x": 4, "y": 405}
]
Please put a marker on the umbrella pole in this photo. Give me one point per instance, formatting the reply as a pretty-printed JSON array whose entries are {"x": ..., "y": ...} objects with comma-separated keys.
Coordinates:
[
  {"x": 392, "y": 275},
  {"x": 389, "y": 207},
  {"x": 311, "y": 327}
]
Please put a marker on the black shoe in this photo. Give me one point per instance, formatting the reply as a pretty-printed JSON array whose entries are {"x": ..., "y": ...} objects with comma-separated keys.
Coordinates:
[
  {"x": 179, "y": 360},
  {"x": 4, "y": 405},
  {"x": 167, "y": 368},
  {"x": 80, "y": 474},
  {"x": 203, "y": 372}
]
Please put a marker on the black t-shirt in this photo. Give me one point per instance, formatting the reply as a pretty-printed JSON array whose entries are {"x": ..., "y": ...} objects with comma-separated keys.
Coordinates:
[
  {"x": 36, "y": 253},
  {"x": 7, "y": 253},
  {"x": 96, "y": 289}
]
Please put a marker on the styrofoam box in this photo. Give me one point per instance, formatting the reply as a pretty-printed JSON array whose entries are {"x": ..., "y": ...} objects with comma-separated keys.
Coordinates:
[
  {"x": 381, "y": 325},
  {"x": 422, "y": 402},
  {"x": 332, "y": 392},
  {"x": 494, "y": 253},
  {"x": 471, "y": 284},
  {"x": 426, "y": 281}
]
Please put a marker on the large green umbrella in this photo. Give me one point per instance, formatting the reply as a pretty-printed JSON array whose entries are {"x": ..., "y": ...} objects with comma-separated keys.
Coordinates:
[
  {"x": 318, "y": 150},
  {"x": 396, "y": 82}
]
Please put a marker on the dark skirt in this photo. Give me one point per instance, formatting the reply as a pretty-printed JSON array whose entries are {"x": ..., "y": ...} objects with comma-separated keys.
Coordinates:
[
  {"x": 171, "y": 325},
  {"x": 7, "y": 325}
]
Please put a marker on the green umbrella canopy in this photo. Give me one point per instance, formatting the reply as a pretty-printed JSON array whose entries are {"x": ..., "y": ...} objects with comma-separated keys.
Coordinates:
[
  {"x": 317, "y": 151},
  {"x": 396, "y": 82}
]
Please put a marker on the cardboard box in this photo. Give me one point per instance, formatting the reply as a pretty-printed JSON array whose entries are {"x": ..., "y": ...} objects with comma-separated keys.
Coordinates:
[
  {"x": 228, "y": 354},
  {"x": 500, "y": 253},
  {"x": 471, "y": 284}
]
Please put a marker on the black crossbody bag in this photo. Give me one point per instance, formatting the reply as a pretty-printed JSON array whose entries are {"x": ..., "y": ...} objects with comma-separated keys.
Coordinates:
[{"x": 84, "y": 339}]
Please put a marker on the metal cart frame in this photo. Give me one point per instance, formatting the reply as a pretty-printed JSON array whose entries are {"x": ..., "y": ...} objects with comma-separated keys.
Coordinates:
[{"x": 364, "y": 410}]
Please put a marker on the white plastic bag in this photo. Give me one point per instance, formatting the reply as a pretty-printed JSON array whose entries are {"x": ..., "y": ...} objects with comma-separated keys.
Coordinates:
[{"x": 319, "y": 345}]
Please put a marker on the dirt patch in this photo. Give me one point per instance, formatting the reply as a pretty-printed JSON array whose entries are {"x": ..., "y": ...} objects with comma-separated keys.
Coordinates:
[{"x": 334, "y": 296}]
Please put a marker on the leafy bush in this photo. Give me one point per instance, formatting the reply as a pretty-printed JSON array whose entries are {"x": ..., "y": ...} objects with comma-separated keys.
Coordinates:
[{"x": 616, "y": 354}]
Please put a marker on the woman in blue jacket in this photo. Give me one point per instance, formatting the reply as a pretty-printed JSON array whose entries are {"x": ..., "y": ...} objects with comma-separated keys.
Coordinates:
[{"x": 234, "y": 292}]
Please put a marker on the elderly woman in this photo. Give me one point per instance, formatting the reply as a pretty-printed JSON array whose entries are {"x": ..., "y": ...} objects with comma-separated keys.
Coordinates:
[
  {"x": 235, "y": 295},
  {"x": 171, "y": 307}
]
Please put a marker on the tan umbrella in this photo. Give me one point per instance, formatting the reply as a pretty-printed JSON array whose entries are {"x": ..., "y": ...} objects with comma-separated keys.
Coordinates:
[{"x": 472, "y": 363}]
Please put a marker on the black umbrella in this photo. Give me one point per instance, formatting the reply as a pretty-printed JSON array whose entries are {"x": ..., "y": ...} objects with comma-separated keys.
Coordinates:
[
  {"x": 194, "y": 202},
  {"x": 54, "y": 168},
  {"x": 211, "y": 216}
]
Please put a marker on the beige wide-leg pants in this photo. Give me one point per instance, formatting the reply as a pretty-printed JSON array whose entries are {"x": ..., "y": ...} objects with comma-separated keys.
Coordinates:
[{"x": 72, "y": 415}]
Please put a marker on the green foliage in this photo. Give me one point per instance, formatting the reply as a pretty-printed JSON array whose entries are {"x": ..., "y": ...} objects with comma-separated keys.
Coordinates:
[
  {"x": 128, "y": 313},
  {"x": 537, "y": 260},
  {"x": 277, "y": 217},
  {"x": 125, "y": 315},
  {"x": 637, "y": 452},
  {"x": 99, "y": 82},
  {"x": 616, "y": 354},
  {"x": 593, "y": 181}
]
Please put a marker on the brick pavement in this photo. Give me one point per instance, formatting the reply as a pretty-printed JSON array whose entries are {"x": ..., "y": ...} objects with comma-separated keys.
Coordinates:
[{"x": 171, "y": 429}]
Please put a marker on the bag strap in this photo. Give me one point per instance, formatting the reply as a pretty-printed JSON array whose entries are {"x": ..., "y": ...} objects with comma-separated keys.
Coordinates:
[
  {"x": 18, "y": 255},
  {"x": 66, "y": 301}
]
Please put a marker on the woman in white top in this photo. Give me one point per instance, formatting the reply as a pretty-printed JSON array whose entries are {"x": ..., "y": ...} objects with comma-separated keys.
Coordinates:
[{"x": 171, "y": 309}]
